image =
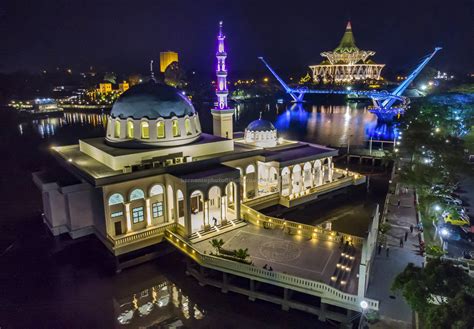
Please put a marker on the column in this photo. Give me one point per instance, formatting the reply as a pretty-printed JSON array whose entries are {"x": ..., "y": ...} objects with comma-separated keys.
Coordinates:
[
  {"x": 127, "y": 216},
  {"x": 252, "y": 290},
  {"x": 225, "y": 280},
  {"x": 148, "y": 212},
  {"x": 244, "y": 183},
  {"x": 206, "y": 212},
  {"x": 284, "y": 304},
  {"x": 223, "y": 208},
  {"x": 322, "y": 315}
]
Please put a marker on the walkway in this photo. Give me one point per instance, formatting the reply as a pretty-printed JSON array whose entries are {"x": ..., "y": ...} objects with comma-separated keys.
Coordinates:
[{"x": 394, "y": 311}]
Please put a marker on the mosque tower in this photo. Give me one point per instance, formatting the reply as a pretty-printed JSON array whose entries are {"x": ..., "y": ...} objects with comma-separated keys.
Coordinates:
[{"x": 221, "y": 113}]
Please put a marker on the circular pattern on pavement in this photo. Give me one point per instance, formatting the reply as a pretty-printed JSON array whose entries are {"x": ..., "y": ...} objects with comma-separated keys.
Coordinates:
[{"x": 280, "y": 251}]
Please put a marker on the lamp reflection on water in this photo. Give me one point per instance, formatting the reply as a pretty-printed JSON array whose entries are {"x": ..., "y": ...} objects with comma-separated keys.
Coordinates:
[
  {"x": 47, "y": 126},
  {"x": 163, "y": 303}
]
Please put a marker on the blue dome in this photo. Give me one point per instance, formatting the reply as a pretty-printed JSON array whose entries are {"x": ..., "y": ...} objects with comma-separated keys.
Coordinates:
[
  {"x": 152, "y": 100},
  {"x": 260, "y": 125}
]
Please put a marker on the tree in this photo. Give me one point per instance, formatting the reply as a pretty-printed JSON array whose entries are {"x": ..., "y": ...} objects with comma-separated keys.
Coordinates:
[
  {"x": 217, "y": 244},
  {"x": 242, "y": 253},
  {"x": 441, "y": 293},
  {"x": 435, "y": 251}
]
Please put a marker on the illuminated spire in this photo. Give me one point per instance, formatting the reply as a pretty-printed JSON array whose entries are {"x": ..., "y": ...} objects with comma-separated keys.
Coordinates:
[
  {"x": 221, "y": 71},
  {"x": 347, "y": 44}
]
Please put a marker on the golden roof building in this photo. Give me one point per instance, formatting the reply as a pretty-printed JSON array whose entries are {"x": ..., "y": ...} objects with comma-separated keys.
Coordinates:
[{"x": 347, "y": 63}]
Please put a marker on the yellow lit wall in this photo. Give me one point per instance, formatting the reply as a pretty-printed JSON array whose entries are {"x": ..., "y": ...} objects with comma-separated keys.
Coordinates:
[
  {"x": 105, "y": 87},
  {"x": 124, "y": 86},
  {"x": 166, "y": 58}
]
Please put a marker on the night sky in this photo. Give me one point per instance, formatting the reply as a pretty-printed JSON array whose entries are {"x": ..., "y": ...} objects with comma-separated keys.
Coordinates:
[{"x": 123, "y": 35}]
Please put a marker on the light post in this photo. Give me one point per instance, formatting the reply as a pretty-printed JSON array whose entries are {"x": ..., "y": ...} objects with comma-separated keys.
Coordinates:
[{"x": 364, "y": 306}]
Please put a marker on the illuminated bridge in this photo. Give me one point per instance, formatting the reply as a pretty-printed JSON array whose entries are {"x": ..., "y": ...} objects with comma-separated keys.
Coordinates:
[{"x": 384, "y": 101}]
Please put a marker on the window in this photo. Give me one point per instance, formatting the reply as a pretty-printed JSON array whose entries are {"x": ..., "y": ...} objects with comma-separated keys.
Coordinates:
[
  {"x": 117, "y": 129},
  {"x": 137, "y": 194},
  {"x": 187, "y": 127},
  {"x": 137, "y": 215},
  {"x": 157, "y": 209},
  {"x": 116, "y": 214},
  {"x": 145, "y": 130},
  {"x": 156, "y": 190},
  {"x": 196, "y": 123},
  {"x": 160, "y": 129},
  {"x": 115, "y": 198},
  {"x": 175, "y": 128},
  {"x": 130, "y": 129}
]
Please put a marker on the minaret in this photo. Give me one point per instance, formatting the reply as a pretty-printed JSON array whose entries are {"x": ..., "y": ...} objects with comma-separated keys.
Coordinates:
[{"x": 221, "y": 113}]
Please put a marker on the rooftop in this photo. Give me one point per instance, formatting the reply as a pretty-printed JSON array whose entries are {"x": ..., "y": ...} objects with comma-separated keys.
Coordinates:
[
  {"x": 298, "y": 153},
  {"x": 288, "y": 254}
]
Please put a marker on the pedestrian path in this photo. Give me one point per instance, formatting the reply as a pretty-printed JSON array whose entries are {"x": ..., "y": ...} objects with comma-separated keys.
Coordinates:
[{"x": 392, "y": 259}]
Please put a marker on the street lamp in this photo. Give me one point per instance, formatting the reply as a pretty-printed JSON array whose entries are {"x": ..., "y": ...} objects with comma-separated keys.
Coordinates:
[
  {"x": 437, "y": 207},
  {"x": 364, "y": 306}
]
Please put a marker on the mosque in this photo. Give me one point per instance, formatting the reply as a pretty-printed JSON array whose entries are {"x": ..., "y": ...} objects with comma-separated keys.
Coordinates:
[{"x": 156, "y": 175}]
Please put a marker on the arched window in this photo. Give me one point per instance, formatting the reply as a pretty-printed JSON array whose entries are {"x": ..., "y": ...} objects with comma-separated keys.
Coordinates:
[
  {"x": 145, "y": 130},
  {"x": 196, "y": 123},
  {"x": 130, "y": 129},
  {"x": 156, "y": 189},
  {"x": 175, "y": 128},
  {"x": 137, "y": 194},
  {"x": 187, "y": 127},
  {"x": 115, "y": 198},
  {"x": 117, "y": 129},
  {"x": 160, "y": 129},
  {"x": 250, "y": 169}
]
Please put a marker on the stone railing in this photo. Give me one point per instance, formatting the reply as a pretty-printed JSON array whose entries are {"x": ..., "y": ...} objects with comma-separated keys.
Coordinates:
[
  {"x": 329, "y": 294},
  {"x": 257, "y": 218},
  {"x": 141, "y": 235}
]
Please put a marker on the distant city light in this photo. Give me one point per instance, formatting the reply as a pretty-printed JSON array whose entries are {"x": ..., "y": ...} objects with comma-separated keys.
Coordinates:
[
  {"x": 423, "y": 87},
  {"x": 265, "y": 79}
]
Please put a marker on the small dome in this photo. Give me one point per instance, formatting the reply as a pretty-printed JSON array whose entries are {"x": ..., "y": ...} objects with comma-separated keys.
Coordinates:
[
  {"x": 261, "y": 133},
  {"x": 260, "y": 125},
  {"x": 152, "y": 100}
]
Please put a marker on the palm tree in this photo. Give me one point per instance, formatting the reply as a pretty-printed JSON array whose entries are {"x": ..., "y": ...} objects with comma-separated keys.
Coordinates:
[
  {"x": 217, "y": 244},
  {"x": 242, "y": 253}
]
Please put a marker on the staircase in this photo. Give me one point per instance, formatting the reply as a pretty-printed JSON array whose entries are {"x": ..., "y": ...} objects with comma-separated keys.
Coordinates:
[
  {"x": 344, "y": 267},
  {"x": 215, "y": 231}
]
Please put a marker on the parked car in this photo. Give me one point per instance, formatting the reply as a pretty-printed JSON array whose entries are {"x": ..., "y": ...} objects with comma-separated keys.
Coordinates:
[{"x": 455, "y": 215}]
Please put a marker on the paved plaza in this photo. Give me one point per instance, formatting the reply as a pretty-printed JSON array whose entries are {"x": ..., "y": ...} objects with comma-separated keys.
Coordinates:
[{"x": 311, "y": 259}]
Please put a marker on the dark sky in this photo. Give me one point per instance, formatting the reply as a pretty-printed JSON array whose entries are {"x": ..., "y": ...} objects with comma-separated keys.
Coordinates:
[{"x": 123, "y": 35}]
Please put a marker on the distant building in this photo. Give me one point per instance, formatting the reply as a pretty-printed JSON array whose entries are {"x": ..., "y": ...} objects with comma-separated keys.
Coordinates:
[
  {"x": 166, "y": 58},
  {"x": 124, "y": 86},
  {"x": 347, "y": 63},
  {"x": 105, "y": 87}
]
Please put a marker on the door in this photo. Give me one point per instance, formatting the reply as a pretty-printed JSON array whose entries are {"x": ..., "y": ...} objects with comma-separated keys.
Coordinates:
[{"x": 118, "y": 228}]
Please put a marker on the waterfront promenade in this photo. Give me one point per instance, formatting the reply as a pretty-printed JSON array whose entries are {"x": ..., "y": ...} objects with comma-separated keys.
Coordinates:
[{"x": 394, "y": 311}]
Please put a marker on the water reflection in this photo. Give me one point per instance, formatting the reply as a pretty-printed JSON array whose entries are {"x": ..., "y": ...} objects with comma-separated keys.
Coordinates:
[
  {"x": 334, "y": 125},
  {"x": 47, "y": 126},
  {"x": 163, "y": 304}
]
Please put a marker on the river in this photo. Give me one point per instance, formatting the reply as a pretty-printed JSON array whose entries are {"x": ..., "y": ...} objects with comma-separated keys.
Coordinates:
[{"x": 48, "y": 282}]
